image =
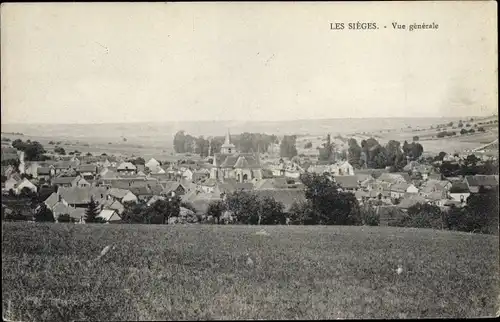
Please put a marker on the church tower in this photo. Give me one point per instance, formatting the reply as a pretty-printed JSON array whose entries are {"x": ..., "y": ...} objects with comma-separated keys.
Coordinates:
[{"x": 227, "y": 147}]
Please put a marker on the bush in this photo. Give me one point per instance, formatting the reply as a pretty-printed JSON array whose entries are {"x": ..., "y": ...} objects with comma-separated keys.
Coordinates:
[
  {"x": 64, "y": 218},
  {"x": 369, "y": 216},
  {"x": 422, "y": 216}
]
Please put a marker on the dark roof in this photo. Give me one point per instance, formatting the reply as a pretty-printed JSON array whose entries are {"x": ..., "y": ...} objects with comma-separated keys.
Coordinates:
[
  {"x": 240, "y": 160},
  {"x": 405, "y": 175},
  {"x": 481, "y": 180},
  {"x": 347, "y": 182},
  {"x": 78, "y": 195},
  {"x": 87, "y": 168},
  {"x": 408, "y": 202},
  {"x": 63, "y": 180},
  {"x": 286, "y": 196},
  {"x": 459, "y": 187}
]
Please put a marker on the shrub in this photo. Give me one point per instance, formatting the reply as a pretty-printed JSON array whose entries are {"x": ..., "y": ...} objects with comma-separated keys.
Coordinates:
[
  {"x": 422, "y": 216},
  {"x": 369, "y": 216},
  {"x": 64, "y": 218}
]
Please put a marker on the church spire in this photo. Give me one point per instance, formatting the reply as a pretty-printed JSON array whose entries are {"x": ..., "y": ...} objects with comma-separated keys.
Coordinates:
[{"x": 228, "y": 138}]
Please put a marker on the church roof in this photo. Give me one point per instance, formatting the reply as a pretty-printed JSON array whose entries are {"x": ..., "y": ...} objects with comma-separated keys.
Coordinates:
[
  {"x": 239, "y": 160},
  {"x": 242, "y": 163}
]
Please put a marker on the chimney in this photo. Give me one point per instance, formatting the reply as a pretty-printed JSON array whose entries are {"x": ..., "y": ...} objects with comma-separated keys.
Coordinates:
[{"x": 59, "y": 197}]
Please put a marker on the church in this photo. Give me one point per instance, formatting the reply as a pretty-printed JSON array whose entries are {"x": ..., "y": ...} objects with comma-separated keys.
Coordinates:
[{"x": 229, "y": 164}]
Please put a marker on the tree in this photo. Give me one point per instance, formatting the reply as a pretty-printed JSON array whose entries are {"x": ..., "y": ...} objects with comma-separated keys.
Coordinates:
[
  {"x": 327, "y": 152},
  {"x": 60, "y": 150},
  {"x": 481, "y": 129},
  {"x": 354, "y": 153},
  {"x": 328, "y": 205},
  {"x": 460, "y": 124},
  {"x": 287, "y": 146},
  {"x": 415, "y": 138},
  {"x": 202, "y": 147},
  {"x": 162, "y": 210},
  {"x": 483, "y": 209},
  {"x": 92, "y": 212},
  {"x": 423, "y": 216},
  {"x": 44, "y": 214},
  {"x": 308, "y": 145},
  {"x": 244, "y": 206},
  {"x": 463, "y": 131},
  {"x": 440, "y": 156},
  {"x": 139, "y": 161},
  {"x": 369, "y": 216},
  {"x": 134, "y": 213},
  {"x": 64, "y": 218},
  {"x": 215, "y": 209},
  {"x": 271, "y": 212}
]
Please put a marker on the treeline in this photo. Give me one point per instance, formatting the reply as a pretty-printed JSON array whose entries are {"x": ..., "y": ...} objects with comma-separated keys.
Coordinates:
[
  {"x": 479, "y": 215},
  {"x": 372, "y": 154},
  {"x": 469, "y": 167},
  {"x": 33, "y": 150},
  {"x": 245, "y": 142}
]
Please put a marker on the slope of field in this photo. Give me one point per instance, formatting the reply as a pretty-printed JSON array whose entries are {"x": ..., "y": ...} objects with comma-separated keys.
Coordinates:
[{"x": 50, "y": 272}]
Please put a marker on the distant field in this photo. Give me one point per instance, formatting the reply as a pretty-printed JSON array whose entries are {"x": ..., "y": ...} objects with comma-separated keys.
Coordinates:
[{"x": 201, "y": 272}]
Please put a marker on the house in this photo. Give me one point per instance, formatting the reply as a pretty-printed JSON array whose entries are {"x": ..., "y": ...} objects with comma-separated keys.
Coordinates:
[
  {"x": 61, "y": 166},
  {"x": 432, "y": 186},
  {"x": 459, "y": 191},
  {"x": 423, "y": 170},
  {"x": 398, "y": 190},
  {"x": 200, "y": 200},
  {"x": 392, "y": 178},
  {"x": 81, "y": 182},
  {"x": 409, "y": 202},
  {"x": 45, "y": 173},
  {"x": 152, "y": 163},
  {"x": 87, "y": 171},
  {"x": 66, "y": 182},
  {"x": 243, "y": 167},
  {"x": 187, "y": 175},
  {"x": 344, "y": 168},
  {"x": 200, "y": 175},
  {"x": 109, "y": 173},
  {"x": 80, "y": 197},
  {"x": 157, "y": 170},
  {"x": 173, "y": 186},
  {"x": 109, "y": 215},
  {"x": 347, "y": 182},
  {"x": 477, "y": 181},
  {"x": 11, "y": 183},
  {"x": 25, "y": 183},
  {"x": 126, "y": 168},
  {"x": 112, "y": 204},
  {"x": 122, "y": 195},
  {"x": 208, "y": 186}
]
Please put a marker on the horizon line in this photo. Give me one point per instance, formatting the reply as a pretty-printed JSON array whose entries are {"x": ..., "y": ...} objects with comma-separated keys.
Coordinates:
[{"x": 265, "y": 121}]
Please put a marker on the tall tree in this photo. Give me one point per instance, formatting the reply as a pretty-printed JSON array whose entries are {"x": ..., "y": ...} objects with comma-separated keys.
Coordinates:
[
  {"x": 92, "y": 211},
  {"x": 287, "y": 146},
  {"x": 354, "y": 153}
]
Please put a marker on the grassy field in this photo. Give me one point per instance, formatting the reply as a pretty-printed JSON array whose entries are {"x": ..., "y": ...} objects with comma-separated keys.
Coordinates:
[{"x": 49, "y": 272}]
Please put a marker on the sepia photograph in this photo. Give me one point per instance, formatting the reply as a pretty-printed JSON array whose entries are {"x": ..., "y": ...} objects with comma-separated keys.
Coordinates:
[{"x": 249, "y": 160}]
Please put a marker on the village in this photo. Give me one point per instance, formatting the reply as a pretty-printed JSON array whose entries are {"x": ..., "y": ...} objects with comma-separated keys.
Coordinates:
[{"x": 66, "y": 184}]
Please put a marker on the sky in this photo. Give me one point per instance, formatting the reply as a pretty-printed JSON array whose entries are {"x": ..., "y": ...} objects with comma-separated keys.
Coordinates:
[{"x": 153, "y": 62}]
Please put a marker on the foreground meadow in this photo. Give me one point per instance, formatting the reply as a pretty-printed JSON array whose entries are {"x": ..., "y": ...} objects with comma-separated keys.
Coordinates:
[{"x": 53, "y": 272}]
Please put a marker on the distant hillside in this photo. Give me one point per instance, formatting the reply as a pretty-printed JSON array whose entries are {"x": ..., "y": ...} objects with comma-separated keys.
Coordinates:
[{"x": 140, "y": 132}]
